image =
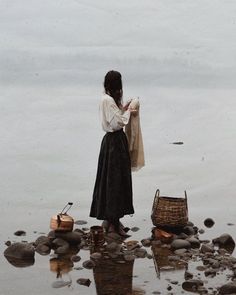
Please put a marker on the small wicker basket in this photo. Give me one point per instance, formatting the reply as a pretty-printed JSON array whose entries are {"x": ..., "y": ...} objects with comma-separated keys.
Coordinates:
[{"x": 169, "y": 211}]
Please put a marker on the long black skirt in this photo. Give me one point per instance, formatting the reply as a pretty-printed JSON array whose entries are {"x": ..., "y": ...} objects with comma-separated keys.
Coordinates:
[{"x": 112, "y": 196}]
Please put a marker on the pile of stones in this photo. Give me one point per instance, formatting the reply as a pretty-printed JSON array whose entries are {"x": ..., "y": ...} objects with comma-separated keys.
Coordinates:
[{"x": 213, "y": 255}]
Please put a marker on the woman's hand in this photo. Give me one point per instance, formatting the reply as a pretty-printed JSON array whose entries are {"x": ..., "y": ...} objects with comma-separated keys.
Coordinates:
[{"x": 126, "y": 106}]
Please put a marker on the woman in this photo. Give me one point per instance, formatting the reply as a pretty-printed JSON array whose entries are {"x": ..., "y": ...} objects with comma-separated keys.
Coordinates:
[{"x": 112, "y": 196}]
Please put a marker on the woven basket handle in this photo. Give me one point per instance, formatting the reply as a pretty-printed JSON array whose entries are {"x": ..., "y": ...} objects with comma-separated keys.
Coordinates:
[
  {"x": 186, "y": 198},
  {"x": 156, "y": 198}
]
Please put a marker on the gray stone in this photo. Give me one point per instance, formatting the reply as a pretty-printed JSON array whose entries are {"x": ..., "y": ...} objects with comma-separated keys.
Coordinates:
[
  {"x": 208, "y": 222},
  {"x": 189, "y": 230},
  {"x": 210, "y": 272},
  {"x": 75, "y": 258},
  {"x": 192, "y": 285},
  {"x": 80, "y": 222},
  {"x": 61, "y": 246},
  {"x": 228, "y": 288},
  {"x": 225, "y": 241},
  {"x": 188, "y": 275},
  {"x": 23, "y": 251},
  {"x": 44, "y": 240},
  {"x": 201, "y": 231},
  {"x": 180, "y": 244},
  {"x": 8, "y": 243},
  {"x": 113, "y": 247},
  {"x": 135, "y": 229},
  {"x": 205, "y": 248},
  {"x": 195, "y": 243},
  {"x": 146, "y": 242},
  {"x": 73, "y": 237},
  {"x": 182, "y": 236},
  {"x": 20, "y": 233},
  {"x": 89, "y": 264},
  {"x": 61, "y": 284},
  {"x": 43, "y": 249},
  {"x": 84, "y": 282},
  {"x": 180, "y": 251}
]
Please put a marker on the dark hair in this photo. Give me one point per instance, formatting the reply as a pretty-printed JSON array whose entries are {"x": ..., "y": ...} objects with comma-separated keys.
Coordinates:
[{"x": 113, "y": 86}]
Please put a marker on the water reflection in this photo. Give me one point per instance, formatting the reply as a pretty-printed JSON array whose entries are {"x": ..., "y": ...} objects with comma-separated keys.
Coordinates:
[
  {"x": 114, "y": 276},
  {"x": 163, "y": 262}
]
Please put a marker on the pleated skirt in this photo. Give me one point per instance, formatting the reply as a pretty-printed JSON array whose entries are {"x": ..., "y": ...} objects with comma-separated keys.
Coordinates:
[{"x": 112, "y": 195}]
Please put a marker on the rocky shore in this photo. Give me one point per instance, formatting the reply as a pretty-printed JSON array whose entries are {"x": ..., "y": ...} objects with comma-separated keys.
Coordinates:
[{"x": 213, "y": 257}]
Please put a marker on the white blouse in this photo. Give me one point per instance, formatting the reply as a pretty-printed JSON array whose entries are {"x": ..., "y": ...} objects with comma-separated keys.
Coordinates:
[{"x": 112, "y": 117}]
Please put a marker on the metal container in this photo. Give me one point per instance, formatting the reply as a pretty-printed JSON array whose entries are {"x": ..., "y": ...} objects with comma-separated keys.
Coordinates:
[{"x": 62, "y": 221}]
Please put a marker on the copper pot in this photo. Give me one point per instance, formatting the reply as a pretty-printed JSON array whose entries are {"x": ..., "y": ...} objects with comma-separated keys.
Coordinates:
[{"x": 62, "y": 221}]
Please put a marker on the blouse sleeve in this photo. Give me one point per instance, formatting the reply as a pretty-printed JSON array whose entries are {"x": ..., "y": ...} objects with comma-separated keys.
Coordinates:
[{"x": 114, "y": 116}]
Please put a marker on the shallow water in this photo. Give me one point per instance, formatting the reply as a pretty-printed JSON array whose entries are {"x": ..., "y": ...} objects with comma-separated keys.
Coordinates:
[{"x": 179, "y": 58}]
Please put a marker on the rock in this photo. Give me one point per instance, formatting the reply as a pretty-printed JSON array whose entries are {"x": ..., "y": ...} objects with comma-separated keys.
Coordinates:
[
  {"x": 62, "y": 247},
  {"x": 146, "y": 242},
  {"x": 61, "y": 284},
  {"x": 135, "y": 229},
  {"x": 75, "y": 258},
  {"x": 113, "y": 237},
  {"x": 73, "y": 237},
  {"x": 169, "y": 288},
  {"x": 80, "y": 222},
  {"x": 192, "y": 285},
  {"x": 228, "y": 288},
  {"x": 208, "y": 222},
  {"x": 84, "y": 282},
  {"x": 210, "y": 272},
  {"x": 96, "y": 255},
  {"x": 189, "y": 230},
  {"x": 225, "y": 241},
  {"x": 180, "y": 251},
  {"x": 113, "y": 247},
  {"x": 20, "y": 233},
  {"x": 180, "y": 244},
  {"x": 22, "y": 251},
  {"x": 201, "y": 231},
  {"x": 43, "y": 249},
  {"x": 201, "y": 267},
  {"x": 188, "y": 275},
  {"x": 181, "y": 236},
  {"x": 44, "y": 240},
  {"x": 8, "y": 243},
  {"x": 207, "y": 248},
  {"x": 89, "y": 264},
  {"x": 195, "y": 243},
  {"x": 141, "y": 253},
  {"x": 149, "y": 256},
  {"x": 174, "y": 282},
  {"x": 131, "y": 245}
]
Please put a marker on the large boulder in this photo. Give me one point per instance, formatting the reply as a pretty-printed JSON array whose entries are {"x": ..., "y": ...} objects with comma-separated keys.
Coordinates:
[
  {"x": 229, "y": 288},
  {"x": 20, "y": 254},
  {"x": 225, "y": 241}
]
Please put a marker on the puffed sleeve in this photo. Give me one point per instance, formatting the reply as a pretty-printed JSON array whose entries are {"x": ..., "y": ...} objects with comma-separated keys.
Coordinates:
[{"x": 114, "y": 116}]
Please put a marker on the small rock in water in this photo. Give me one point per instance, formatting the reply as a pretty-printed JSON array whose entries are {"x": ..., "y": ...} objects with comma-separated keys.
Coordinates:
[
  {"x": 78, "y": 268},
  {"x": 141, "y": 253},
  {"x": 61, "y": 284},
  {"x": 89, "y": 264},
  {"x": 135, "y": 229},
  {"x": 8, "y": 243},
  {"x": 178, "y": 142},
  {"x": 201, "y": 231},
  {"x": 43, "y": 249},
  {"x": 192, "y": 285},
  {"x": 84, "y": 282},
  {"x": 230, "y": 224},
  {"x": 188, "y": 275},
  {"x": 80, "y": 222},
  {"x": 20, "y": 233},
  {"x": 208, "y": 222},
  {"x": 75, "y": 258},
  {"x": 229, "y": 288}
]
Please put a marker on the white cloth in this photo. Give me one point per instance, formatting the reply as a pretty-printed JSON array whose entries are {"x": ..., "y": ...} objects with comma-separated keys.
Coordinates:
[
  {"x": 113, "y": 118},
  {"x": 135, "y": 140}
]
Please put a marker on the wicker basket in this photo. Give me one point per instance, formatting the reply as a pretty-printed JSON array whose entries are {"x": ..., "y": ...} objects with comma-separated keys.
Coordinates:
[{"x": 169, "y": 211}]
